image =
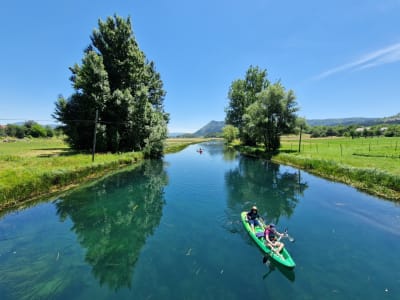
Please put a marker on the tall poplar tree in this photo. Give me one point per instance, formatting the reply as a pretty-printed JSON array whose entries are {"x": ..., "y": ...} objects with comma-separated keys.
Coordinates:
[{"x": 116, "y": 79}]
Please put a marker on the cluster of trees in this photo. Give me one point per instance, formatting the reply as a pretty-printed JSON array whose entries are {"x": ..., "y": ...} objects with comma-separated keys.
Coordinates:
[
  {"x": 116, "y": 80},
  {"x": 261, "y": 111},
  {"x": 28, "y": 129},
  {"x": 354, "y": 131}
]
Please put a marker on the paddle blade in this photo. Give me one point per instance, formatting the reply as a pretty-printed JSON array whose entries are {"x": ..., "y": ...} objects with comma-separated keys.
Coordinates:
[
  {"x": 265, "y": 259},
  {"x": 291, "y": 239}
]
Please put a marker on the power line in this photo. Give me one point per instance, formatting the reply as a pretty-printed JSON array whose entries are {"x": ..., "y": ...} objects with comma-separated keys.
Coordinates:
[
  {"x": 72, "y": 120},
  {"x": 27, "y": 119}
]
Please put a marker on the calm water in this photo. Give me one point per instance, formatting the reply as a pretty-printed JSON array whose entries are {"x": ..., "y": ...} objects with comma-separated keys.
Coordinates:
[{"x": 171, "y": 230}]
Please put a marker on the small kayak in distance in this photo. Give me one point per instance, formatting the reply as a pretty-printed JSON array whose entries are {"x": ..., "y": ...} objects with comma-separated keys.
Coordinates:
[{"x": 286, "y": 260}]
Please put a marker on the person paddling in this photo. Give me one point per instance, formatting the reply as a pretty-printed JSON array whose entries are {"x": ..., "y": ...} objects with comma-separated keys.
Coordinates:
[
  {"x": 252, "y": 218},
  {"x": 272, "y": 239}
]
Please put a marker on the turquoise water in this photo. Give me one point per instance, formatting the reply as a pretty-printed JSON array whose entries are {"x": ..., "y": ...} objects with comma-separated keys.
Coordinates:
[{"x": 172, "y": 230}]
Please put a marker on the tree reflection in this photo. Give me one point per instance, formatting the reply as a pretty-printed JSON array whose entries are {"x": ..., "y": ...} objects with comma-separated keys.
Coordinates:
[
  {"x": 230, "y": 154},
  {"x": 113, "y": 220},
  {"x": 261, "y": 183}
]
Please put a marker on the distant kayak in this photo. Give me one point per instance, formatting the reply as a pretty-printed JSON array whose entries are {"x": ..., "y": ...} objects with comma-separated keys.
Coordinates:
[{"x": 287, "y": 260}]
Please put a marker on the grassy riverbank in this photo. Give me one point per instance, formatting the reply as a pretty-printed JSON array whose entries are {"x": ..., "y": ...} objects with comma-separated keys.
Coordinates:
[
  {"x": 369, "y": 164},
  {"x": 35, "y": 167}
]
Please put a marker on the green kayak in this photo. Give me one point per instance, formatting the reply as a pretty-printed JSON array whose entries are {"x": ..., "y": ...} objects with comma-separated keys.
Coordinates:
[{"x": 287, "y": 260}]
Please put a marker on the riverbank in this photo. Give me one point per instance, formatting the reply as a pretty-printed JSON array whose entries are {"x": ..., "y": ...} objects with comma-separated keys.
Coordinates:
[
  {"x": 33, "y": 168},
  {"x": 371, "y": 165}
]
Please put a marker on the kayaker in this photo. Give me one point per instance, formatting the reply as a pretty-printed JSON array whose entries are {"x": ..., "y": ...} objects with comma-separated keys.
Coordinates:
[
  {"x": 272, "y": 238},
  {"x": 252, "y": 218}
]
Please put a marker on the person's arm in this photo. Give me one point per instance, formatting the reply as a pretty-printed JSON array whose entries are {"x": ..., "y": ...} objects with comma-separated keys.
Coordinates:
[{"x": 280, "y": 235}]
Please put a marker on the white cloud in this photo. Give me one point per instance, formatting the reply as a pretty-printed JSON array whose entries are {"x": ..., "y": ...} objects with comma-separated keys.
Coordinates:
[{"x": 382, "y": 56}]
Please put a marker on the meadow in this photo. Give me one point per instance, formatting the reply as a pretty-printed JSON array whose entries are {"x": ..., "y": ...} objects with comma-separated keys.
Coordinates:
[
  {"x": 36, "y": 167},
  {"x": 370, "y": 164}
]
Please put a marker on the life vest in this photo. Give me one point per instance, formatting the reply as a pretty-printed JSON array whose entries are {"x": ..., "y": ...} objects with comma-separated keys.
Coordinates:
[
  {"x": 252, "y": 216},
  {"x": 270, "y": 233}
]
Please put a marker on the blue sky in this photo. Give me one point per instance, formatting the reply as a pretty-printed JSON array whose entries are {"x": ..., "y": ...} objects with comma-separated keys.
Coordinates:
[{"x": 342, "y": 58}]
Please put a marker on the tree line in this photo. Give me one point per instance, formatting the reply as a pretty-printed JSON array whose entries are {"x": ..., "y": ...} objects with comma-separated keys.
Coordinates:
[
  {"x": 28, "y": 129},
  {"x": 259, "y": 111},
  {"x": 354, "y": 131},
  {"x": 117, "y": 91}
]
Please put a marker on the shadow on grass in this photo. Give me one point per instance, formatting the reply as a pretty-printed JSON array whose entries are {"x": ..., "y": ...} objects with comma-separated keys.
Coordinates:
[
  {"x": 377, "y": 155},
  {"x": 288, "y": 151},
  {"x": 52, "y": 149},
  {"x": 61, "y": 152}
]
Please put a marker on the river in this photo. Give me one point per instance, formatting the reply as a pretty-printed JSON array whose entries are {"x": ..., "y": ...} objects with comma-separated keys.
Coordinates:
[{"x": 171, "y": 230}]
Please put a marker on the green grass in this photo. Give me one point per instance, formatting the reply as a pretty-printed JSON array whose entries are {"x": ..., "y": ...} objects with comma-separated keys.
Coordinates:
[
  {"x": 370, "y": 164},
  {"x": 378, "y": 153},
  {"x": 33, "y": 167},
  {"x": 36, "y": 167}
]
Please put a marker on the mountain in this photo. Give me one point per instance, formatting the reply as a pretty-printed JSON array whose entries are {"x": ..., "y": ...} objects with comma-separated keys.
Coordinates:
[
  {"x": 393, "y": 119},
  {"x": 211, "y": 128},
  {"x": 343, "y": 121},
  {"x": 355, "y": 121},
  {"x": 176, "y": 134},
  {"x": 215, "y": 127}
]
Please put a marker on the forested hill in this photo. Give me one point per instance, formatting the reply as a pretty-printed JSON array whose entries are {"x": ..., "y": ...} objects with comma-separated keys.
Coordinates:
[
  {"x": 343, "y": 121},
  {"x": 211, "y": 128},
  {"x": 355, "y": 121},
  {"x": 215, "y": 127}
]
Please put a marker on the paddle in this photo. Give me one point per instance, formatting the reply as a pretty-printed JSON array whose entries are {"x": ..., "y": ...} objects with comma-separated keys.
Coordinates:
[
  {"x": 262, "y": 222},
  {"x": 290, "y": 238}
]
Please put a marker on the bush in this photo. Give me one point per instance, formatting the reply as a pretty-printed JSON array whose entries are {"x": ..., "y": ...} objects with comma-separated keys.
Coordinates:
[
  {"x": 49, "y": 131},
  {"x": 38, "y": 131}
]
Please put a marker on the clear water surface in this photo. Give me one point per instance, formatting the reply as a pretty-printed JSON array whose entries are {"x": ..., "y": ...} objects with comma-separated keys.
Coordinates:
[{"x": 171, "y": 230}]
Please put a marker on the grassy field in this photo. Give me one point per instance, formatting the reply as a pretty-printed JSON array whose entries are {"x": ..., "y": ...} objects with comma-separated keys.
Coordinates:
[
  {"x": 34, "y": 167},
  {"x": 371, "y": 164},
  {"x": 381, "y": 153}
]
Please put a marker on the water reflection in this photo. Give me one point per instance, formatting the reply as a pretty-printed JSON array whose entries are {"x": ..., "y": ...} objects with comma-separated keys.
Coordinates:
[
  {"x": 261, "y": 183},
  {"x": 212, "y": 147},
  {"x": 112, "y": 221},
  {"x": 273, "y": 266}
]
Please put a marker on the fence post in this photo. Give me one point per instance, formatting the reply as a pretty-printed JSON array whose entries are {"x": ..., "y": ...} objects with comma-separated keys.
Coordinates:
[{"x": 301, "y": 129}]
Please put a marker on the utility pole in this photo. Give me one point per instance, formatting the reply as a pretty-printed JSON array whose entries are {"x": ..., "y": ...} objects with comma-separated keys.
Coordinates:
[
  {"x": 301, "y": 129},
  {"x": 94, "y": 134}
]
